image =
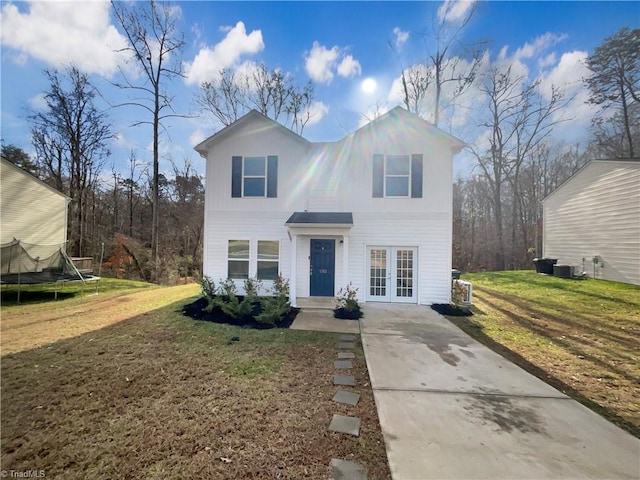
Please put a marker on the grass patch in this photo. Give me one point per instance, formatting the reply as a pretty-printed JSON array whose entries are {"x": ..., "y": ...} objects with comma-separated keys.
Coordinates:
[
  {"x": 581, "y": 336},
  {"x": 33, "y": 294},
  {"x": 162, "y": 396},
  {"x": 29, "y": 325}
]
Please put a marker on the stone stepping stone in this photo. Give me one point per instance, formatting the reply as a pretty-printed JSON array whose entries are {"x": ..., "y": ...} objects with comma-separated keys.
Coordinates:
[
  {"x": 345, "y": 424},
  {"x": 342, "y": 364},
  {"x": 344, "y": 355},
  {"x": 346, "y": 345},
  {"x": 350, "y": 398},
  {"x": 344, "y": 380},
  {"x": 348, "y": 338},
  {"x": 347, "y": 470}
]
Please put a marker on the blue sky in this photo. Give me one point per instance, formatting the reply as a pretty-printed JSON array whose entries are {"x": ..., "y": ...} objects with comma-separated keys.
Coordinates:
[{"x": 337, "y": 44}]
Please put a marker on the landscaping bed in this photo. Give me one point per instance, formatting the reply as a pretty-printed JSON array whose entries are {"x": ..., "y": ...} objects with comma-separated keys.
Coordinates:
[{"x": 198, "y": 311}]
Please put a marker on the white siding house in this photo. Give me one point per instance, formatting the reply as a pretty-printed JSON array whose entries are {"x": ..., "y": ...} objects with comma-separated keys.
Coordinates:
[
  {"x": 31, "y": 211},
  {"x": 592, "y": 221},
  {"x": 373, "y": 209}
]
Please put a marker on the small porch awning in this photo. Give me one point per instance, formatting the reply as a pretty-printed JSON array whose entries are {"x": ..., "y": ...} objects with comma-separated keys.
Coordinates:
[{"x": 320, "y": 220}]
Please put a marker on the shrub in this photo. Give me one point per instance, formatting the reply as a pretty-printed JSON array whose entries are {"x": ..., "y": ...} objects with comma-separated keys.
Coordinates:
[
  {"x": 347, "y": 305},
  {"x": 208, "y": 287},
  {"x": 275, "y": 308}
]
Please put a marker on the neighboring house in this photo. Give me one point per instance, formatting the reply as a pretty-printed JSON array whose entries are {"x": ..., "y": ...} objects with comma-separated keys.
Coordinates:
[
  {"x": 592, "y": 221},
  {"x": 31, "y": 211},
  {"x": 373, "y": 209}
]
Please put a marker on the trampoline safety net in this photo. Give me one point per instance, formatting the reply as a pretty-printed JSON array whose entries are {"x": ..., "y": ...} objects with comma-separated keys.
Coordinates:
[{"x": 25, "y": 263}]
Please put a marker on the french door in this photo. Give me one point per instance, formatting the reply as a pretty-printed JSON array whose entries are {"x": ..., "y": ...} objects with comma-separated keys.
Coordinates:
[{"x": 392, "y": 274}]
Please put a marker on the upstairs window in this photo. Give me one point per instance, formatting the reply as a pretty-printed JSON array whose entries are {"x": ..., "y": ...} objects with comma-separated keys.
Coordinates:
[
  {"x": 254, "y": 176},
  {"x": 238, "y": 259},
  {"x": 397, "y": 176}
]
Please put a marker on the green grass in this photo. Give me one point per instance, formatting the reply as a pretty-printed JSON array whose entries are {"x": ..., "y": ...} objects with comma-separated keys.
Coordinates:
[
  {"x": 30, "y": 294},
  {"x": 581, "y": 336}
]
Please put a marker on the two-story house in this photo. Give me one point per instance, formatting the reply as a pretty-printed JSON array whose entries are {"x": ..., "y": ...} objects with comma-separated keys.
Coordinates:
[{"x": 373, "y": 209}]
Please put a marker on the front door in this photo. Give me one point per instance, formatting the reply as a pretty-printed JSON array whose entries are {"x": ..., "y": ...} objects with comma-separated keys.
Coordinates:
[
  {"x": 392, "y": 274},
  {"x": 323, "y": 262}
]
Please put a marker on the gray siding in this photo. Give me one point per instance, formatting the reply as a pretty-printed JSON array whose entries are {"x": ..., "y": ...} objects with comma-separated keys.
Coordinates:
[{"x": 597, "y": 212}]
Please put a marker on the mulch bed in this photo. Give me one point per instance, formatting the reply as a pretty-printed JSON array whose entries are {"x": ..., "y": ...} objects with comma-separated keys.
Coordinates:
[
  {"x": 196, "y": 310},
  {"x": 451, "y": 310}
]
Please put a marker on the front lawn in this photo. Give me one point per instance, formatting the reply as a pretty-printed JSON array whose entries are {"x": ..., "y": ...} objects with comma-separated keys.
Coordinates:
[
  {"x": 581, "y": 336},
  {"x": 163, "y": 396}
]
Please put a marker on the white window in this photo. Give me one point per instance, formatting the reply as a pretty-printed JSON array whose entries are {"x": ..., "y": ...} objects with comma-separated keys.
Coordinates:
[
  {"x": 238, "y": 259},
  {"x": 397, "y": 175},
  {"x": 254, "y": 177},
  {"x": 268, "y": 259}
]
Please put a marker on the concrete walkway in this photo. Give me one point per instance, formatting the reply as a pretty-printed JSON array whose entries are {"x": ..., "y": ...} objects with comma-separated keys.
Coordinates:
[{"x": 451, "y": 408}]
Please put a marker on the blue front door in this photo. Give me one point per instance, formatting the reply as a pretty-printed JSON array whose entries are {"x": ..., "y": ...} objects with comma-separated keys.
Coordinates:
[{"x": 323, "y": 262}]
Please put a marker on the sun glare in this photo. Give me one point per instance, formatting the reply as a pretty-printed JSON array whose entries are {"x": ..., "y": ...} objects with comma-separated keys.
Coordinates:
[{"x": 369, "y": 85}]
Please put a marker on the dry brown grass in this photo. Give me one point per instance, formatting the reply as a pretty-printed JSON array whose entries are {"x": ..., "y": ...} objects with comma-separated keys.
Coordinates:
[
  {"x": 31, "y": 325},
  {"x": 163, "y": 396}
]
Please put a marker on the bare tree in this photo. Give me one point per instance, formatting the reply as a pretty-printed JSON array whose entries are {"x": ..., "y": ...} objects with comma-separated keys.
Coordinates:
[
  {"x": 70, "y": 138},
  {"x": 155, "y": 45},
  {"x": 519, "y": 119},
  {"x": 269, "y": 91},
  {"x": 441, "y": 67}
]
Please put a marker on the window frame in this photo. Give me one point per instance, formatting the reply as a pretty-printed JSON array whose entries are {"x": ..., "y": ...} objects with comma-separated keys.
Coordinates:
[
  {"x": 259, "y": 260},
  {"x": 243, "y": 260},
  {"x": 263, "y": 177},
  {"x": 387, "y": 175}
]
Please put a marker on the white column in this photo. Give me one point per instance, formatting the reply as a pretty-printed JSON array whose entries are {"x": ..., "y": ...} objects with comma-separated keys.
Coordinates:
[
  {"x": 345, "y": 261},
  {"x": 293, "y": 270}
]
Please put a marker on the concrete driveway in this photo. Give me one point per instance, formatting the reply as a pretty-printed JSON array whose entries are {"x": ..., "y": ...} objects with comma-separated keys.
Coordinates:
[{"x": 451, "y": 408}]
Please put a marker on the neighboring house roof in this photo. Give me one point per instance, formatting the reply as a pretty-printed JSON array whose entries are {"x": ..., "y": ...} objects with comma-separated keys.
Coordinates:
[
  {"x": 35, "y": 179},
  {"x": 397, "y": 114},
  {"x": 252, "y": 116},
  {"x": 320, "y": 218},
  {"x": 631, "y": 161}
]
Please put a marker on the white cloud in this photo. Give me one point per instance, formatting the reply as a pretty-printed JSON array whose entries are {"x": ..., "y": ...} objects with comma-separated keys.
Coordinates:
[
  {"x": 568, "y": 75},
  {"x": 547, "y": 61},
  {"x": 210, "y": 60},
  {"x": 196, "y": 137},
  {"x": 401, "y": 37},
  {"x": 317, "y": 111},
  {"x": 349, "y": 67},
  {"x": 320, "y": 62},
  {"x": 61, "y": 33},
  {"x": 39, "y": 102},
  {"x": 539, "y": 45},
  {"x": 454, "y": 10}
]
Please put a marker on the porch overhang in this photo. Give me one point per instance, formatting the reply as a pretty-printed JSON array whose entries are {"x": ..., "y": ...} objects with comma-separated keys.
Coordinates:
[{"x": 319, "y": 220}]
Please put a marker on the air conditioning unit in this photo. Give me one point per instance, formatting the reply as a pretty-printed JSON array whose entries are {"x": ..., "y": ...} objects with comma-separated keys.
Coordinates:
[{"x": 464, "y": 290}]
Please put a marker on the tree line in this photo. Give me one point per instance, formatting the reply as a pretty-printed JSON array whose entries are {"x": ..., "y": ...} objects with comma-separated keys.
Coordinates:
[{"x": 152, "y": 224}]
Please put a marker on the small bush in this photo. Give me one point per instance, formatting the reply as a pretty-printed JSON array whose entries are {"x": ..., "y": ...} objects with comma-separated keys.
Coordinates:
[
  {"x": 276, "y": 308},
  {"x": 208, "y": 287},
  {"x": 347, "y": 305}
]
